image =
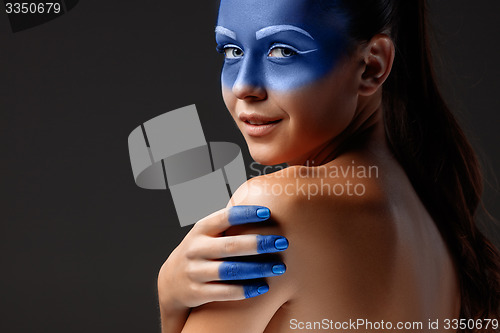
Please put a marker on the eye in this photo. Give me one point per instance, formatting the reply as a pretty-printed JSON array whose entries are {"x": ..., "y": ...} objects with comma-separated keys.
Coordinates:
[
  {"x": 282, "y": 52},
  {"x": 232, "y": 52}
]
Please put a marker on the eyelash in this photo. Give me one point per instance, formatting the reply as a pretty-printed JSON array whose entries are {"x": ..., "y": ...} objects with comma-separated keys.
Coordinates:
[
  {"x": 223, "y": 49},
  {"x": 283, "y": 46}
]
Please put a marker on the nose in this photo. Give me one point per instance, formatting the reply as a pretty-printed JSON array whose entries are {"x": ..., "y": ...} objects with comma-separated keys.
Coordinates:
[{"x": 249, "y": 84}]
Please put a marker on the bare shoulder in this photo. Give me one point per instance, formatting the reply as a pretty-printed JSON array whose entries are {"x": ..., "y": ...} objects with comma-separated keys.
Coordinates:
[
  {"x": 325, "y": 195},
  {"x": 334, "y": 216}
]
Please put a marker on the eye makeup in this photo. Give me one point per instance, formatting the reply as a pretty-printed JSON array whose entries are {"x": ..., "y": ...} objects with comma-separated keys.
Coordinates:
[
  {"x": 284, "y": 46},
  {"x": 272, "y": 43}
]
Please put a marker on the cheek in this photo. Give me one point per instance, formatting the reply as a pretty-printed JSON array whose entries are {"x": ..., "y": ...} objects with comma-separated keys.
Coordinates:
[
  {"x": 320, "y": 112},
  {"x": 296, "y": 75},
  {"x": 229, "y": 100},
  {"x": 229, "y": 75},
  {"x": 278, "y": 75}
]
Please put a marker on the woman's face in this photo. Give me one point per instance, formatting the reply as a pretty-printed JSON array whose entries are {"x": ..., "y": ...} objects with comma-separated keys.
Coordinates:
[{"x": 286, "y": 80}]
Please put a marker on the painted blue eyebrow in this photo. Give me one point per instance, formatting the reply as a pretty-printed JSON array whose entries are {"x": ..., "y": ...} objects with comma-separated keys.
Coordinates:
[
  {"x": 274, "y": 29},
  {"x": 225, "y": 31}
]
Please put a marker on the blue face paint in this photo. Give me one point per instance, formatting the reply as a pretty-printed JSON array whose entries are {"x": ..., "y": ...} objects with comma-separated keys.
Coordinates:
[{"x": 280, "y": 44}]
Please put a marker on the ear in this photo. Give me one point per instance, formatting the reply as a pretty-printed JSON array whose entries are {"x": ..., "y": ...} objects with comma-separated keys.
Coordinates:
[{"x": 378, "y": 59}]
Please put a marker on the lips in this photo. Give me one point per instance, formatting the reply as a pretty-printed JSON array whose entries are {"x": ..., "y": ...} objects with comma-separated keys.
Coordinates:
[
  {"x": 256, "y": 119},
  {"x": 257, "y": 125},
  {"x": 261, "y": 122}
]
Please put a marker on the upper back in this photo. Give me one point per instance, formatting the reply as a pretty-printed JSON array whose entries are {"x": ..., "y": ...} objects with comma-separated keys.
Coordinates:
[{"x": 374, "y": 254}]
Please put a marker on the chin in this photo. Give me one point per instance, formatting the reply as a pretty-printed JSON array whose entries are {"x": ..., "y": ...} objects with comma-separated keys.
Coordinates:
[{"x": 267, "y": 155}]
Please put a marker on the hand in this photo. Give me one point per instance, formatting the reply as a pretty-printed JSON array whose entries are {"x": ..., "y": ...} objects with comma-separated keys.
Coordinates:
[{"x": 192, "y": 273}]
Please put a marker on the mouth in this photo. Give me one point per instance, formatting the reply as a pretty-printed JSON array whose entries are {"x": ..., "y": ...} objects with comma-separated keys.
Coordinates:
[
  {"x": 258, "y": 120},
  {"x": 261, "y": 123},
  {"x": 258, "y": 126}
]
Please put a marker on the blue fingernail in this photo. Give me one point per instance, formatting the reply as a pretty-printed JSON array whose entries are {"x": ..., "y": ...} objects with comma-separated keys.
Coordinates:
[
  {"x": 263, "y": 213},
  {"x": 263, "y": 289},
  {"x": 281, "y": 244},
  {"x": 247, "y": 214},
  {"x": 279, "y": 269},
  {"x": 255, "y": 289},
  {"x": 271, "y": 243}
]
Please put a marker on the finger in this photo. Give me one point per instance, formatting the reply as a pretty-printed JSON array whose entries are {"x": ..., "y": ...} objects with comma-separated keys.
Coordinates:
[
  {"x": 248, "y": 214},
  {"x": 213, "y": 224},
  {"x": 242, "y": 245},
  {"x": 271, "y": 243},
  {"x": 255, "y": 289},
  {"x": 235, "y": 270},
  {"x": 234, "y": 292},
  {"x": 208, "y": 271},
  {"x": 219, "y": 221}
]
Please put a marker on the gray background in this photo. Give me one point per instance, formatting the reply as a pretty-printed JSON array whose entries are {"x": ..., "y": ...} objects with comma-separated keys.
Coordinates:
[{"x": 80, "y": 244}]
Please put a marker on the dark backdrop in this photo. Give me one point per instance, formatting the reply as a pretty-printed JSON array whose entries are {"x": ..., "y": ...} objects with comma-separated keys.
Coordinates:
[{"x": 80, "y": 244}]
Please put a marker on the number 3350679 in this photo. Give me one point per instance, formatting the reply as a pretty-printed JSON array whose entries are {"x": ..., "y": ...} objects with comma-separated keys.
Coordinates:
[
  {"x": 462, "y": 324},
  {"x": 32, "y": 8}
]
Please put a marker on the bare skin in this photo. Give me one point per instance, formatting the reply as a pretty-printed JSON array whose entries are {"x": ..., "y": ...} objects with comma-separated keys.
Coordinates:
[
  {"x": 378, "y": 256},
  {"x": 375, "y": 256}
]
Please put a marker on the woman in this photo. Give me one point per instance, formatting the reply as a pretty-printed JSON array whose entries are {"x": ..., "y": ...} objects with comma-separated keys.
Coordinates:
[{"x": 329, "y": 85}]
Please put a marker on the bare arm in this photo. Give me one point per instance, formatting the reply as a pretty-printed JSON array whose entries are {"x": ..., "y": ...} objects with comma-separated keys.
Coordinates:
[
  {"x": 195, "y": 273},
  {"x": 252, "y": 315}
]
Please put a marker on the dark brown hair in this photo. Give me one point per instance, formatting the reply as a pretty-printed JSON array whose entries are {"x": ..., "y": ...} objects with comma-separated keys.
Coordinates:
[{"x": 430, "y": 145}]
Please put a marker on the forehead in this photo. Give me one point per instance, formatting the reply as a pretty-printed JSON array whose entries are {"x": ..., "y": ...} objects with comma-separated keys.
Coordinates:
[{"x": 256, "y": 14}]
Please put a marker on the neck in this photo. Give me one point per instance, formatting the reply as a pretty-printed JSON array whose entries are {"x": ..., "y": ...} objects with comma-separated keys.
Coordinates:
[{"x": 366, "y": 130}]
